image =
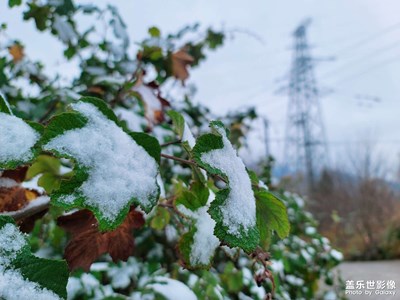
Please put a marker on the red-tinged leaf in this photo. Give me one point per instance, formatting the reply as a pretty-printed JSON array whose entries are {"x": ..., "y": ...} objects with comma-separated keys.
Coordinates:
[
  {"x": 18, "y": 174},
  {"x": 88, "y": 243}
]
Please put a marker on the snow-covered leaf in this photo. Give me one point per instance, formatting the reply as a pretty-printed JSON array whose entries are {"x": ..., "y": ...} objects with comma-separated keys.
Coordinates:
[
  {"x": 170, "y": 289},
  {"x": 197, "y": 246},
  {"x": 18, "y": 139},
  {"x": 234, "y": 208},
  {"x": 24, "y": 276},
  {"x": 114, "y": 168}
]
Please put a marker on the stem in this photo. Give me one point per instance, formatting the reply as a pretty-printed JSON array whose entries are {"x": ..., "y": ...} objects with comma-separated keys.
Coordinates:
[
  {"x": 185, "y": 161},
  {"x": 171, "y": 143},
  {"x": 49, "y": 111},
  {"x": 192, "y": 163}
]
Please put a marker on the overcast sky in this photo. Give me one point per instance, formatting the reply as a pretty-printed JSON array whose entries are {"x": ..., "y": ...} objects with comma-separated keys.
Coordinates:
[{"x": 361, "y": 34}]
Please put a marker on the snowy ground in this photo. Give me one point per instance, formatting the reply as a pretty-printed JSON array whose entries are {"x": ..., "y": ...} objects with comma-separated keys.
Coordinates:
[{"x": 374, "y": 270}]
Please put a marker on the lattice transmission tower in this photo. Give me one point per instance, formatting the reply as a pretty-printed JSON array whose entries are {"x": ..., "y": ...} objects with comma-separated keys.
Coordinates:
[{"x": 305, "y": 143}]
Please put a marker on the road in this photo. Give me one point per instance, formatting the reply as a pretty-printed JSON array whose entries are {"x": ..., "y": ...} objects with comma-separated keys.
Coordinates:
[{"x": 373, "y": 271}]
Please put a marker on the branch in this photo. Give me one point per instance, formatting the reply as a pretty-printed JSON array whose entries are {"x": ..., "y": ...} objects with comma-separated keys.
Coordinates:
[
  {"x": 192, "y": 163},
  {"x": 185, "y": 161},
  {"x": 171, "y": 143},
  {"x": 49, "y": 111}
]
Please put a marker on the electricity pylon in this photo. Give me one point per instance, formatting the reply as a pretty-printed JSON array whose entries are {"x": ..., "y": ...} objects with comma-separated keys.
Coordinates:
[{"x": 305, "y": 145}]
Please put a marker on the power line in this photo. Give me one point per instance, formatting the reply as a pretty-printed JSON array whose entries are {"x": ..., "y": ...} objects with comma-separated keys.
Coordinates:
[
  {"x": 369, "y": 38},
  {"x": 373, "y": 67},
  {"x": 342, "y": 142},
  {"x": 374, "y": 53}
]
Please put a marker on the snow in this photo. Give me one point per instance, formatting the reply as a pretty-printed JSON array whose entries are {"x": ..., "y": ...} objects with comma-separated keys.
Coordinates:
[
  {"x": 64, "y": 29},
  {"x": 336, "y": 255},
  {"x": 310, "y": 230},
  {"x": 74, "y": 286},
  {"x": 330, "y": 295},
  {"x": 12, "y": 284},
  {"x": 96, "y": 71},
  {"x": 231, "y": 252},
  {"x": 172, "y": 289},
  {"x": 133, "y": 120},
  {"x": 160, "y": 183},
  {"x": 306, "y": 255},
  {"x": 16, "y": 139},
  {"x": 14, "y": 287},
  {"x": 11, "y": 242},
  {"x": 7, "y": 182},
  {"x": 277, "y": 266},
  {"x": 204, "y": 241},
  {"x": 239, "y": 210},
  {"x": 187, "y": 136},
  {"x": 153, "y": 104},
  {"x": 119, "y": 169},
  {"x": 120, "y": 30},
  {"x": 293, "y": 280},
  {"x": 122, "y": 275}
]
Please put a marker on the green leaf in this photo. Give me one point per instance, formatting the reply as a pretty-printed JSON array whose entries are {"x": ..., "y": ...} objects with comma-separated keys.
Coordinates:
[
  {"x": 236, "y": 224},
  {"x": 44, "y": 164},
  {"x": 271, "y": 216},
  {"x": 154, "y": 32},
  {"x": 40, "y": 14},
  {"x": 178, "y": 122},
  {"x": 194, "y": 198},
  {"x": 114, "y": 168},
  {"x": 161, "y": 218},
  {"x": 50, "y": 275},
  {"x": 49, "y": 182},
  {"x": 12, "y": 3},
  {"x": 197, "y": 246},
  {"x": 65, "y": 7},
  {"x": 233, "y": 278},
  {"x": 4, "y": 106}
]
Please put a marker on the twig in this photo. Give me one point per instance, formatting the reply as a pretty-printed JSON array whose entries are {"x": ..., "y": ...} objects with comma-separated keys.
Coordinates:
[
  {"x": 171, "y": 143},
  {"x": 49, "y": 111},
  {"x": 192, "y": 163},
  {"x": 185, "y": 161}
]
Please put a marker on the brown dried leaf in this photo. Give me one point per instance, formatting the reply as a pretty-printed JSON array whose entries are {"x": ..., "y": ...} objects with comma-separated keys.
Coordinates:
[
  {"x": 17, "y": 52},
  {"x": 14, "y": 198},
  {"x": 153, "y": 102},
  {"x": 88, "y": 243},
  {"x": 96, "y": 89},
  {"x": 180, "y": 61},
  {"x": 18, "y": 174}
]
